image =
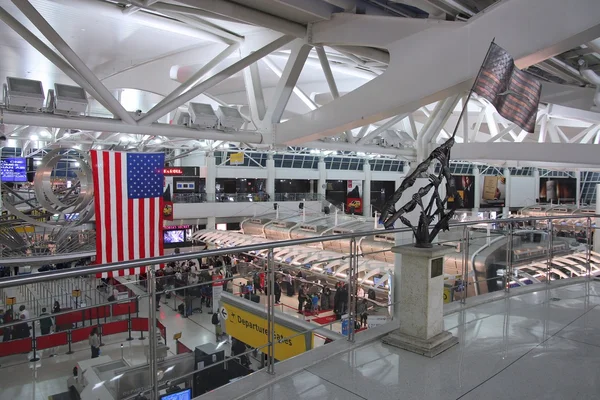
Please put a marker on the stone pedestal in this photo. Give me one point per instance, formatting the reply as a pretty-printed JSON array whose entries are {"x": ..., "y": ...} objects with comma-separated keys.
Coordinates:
[{"x": 421, "y": 301}]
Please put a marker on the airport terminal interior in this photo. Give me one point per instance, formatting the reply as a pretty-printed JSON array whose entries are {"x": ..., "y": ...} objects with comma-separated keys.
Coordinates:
[{"x": 299, "y": 199}]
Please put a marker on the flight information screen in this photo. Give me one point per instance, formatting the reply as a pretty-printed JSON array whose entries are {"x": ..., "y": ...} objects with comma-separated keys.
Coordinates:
[{"x": 13, "y": 169}]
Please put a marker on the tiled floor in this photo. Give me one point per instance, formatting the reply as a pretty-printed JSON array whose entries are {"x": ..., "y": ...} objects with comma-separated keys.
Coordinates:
[{"x": 542, "y": 345}]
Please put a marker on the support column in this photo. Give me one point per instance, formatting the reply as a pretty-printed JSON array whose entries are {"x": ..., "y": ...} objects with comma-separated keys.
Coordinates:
[
  {"x": 177, "y": 161},
  {"x": 596, "y": 239},
  {"x": 152, "y": 367},
  {"x": 506, "y": 209},
  {"x": 536, "y": 182},
  {"x": 477, "y": 181},
  {"x": 420, "y": 308},
  {"x": 578, "y": 188},
  {"x": 211, "y": 223},
  {"x": 211, "y": 177},
  {"x": 367, "y": 190},
  {"x": 322, "y": 179},
  {"x": 270, "y": 177}
]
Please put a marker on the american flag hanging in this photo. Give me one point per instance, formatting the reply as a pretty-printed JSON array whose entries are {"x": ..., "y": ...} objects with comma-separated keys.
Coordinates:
[{"x": 128, "y": 189}]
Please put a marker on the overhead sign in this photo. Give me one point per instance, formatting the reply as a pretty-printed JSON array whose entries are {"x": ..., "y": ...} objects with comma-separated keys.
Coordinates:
[
  {"x": 181, "y": 171},
  {"x": 236, "y": 158},
  {"x": 252, "y": 330}
]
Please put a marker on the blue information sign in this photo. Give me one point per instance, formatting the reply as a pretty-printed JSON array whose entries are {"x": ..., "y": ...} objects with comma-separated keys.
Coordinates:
[
  {"x": 13, "y": 169},
  {"x": 183, "y": 395}
]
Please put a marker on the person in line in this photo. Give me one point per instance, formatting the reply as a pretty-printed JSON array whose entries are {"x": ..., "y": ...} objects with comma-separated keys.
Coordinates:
[
  {"x": 290, "y": 284},
  {"x": 56, "y": 309},
  {"x": 277, "y": 290},
  {"x": 94, "y": 341},
  {"x": 301, "y": 299},
  {"x": 325, "y": 297},
  {"x": 21, "y": 330},
  {"x": 23, "y": 311},
  {"x": 46, "y": 323},
  {"x": 361, "y": 311}
]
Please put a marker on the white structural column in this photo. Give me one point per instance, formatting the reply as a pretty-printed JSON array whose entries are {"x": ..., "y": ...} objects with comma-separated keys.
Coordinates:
[
  {"x": 477, "y": 181},
  {"x": 597, "y": 230},
  {"x": 211, "y": 222},
  {"x": 578, "y": 188},
  {"x": 459, "y": 49},
  {"x": 270, "y": 176},
  {"x": 536, "y": 182},
  {"x": 367, "y": 189},
  {"x": 211, "y": 177},
  {"x": 506, "y": 209},
  {"x": 322, "y": 178}
]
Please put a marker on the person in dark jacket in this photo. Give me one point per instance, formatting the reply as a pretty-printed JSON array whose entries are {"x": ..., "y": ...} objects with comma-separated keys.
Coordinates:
[
  {"x": 45, "y": 322},
  {"x": 301, "y": 298},
  {"x": 325, "y": 297},
  {"x": 277, "y": 290},
  {"x": 7, "y": 318},
  {"x": 21, "y": 330}
]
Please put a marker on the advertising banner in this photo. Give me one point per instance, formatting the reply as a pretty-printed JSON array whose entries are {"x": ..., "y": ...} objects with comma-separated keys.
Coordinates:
[
  {"x": 465, "y": 186},
  {"x": 354, "y": 204},
  {"x": 493, "y": 191},
  {"x": 168, "y": 210},
  {"x": 252, "y": 330},
  {"x": 557, "y": 190}
]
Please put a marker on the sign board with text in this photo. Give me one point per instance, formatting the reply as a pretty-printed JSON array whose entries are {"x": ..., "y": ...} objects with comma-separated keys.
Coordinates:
[{"x": 252, "y": 330}]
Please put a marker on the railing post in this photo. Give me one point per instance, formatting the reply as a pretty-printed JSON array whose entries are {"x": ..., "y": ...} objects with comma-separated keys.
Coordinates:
[
  {"x": 34, "y": 344},
  {"x": 352, "y": 289},
  {"x": 69, "y": 340},
  {"x": 465, "y": 267},
  {"x": 151, "y": 282},
  {"x": 129, "y": 324},
  {"x": 508, "y": 272},
  {"x": 588, "y": 252},
  {"x": 550, "y": 250},
  {"x": 271, "y": 313}
]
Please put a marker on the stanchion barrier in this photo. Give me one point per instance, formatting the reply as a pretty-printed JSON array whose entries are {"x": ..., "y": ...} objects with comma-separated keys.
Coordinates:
[
  {"x": 113, "y": 328},
  {"x": 139, "y": 324},
  {"x": 81, "y": 334},
  {"x": 52, "y": 340},
  {"x": 69, "y": 341},
  {"x": 18, "y": 346},
  {"x": 66, "y": 320},
  {"x": 162, "y": 329},
  {"x": 181, "y": 348}
]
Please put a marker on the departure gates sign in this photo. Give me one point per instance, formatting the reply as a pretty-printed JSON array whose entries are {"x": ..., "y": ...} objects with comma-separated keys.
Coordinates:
[{"x": 252, "y": 330}]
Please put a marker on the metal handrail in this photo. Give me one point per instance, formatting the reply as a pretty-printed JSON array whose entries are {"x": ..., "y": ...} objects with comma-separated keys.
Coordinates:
[{"x": 96, "y": 269}]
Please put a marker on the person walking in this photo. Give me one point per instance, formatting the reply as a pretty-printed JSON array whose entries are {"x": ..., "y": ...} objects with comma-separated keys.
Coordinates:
[
  {"x": 94, "y": 341},
  {"x": 325, "y": 297}
]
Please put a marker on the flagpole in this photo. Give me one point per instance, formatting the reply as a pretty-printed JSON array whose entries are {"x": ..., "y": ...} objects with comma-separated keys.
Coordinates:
[{"x": 466, "y": 103}]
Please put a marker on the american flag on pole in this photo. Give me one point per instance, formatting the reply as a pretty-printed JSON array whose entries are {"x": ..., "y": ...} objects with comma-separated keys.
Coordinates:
[{"x": 128, "y": 189}]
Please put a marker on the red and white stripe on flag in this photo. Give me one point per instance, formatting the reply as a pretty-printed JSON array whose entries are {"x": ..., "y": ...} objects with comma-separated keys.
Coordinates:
[{"x": 128, "y": 203}]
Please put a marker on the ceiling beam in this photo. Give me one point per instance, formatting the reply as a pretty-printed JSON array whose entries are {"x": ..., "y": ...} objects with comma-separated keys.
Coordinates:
[
  {"x": 249, "y": 15},
  {"x": 411, "y": 82},
  {"x": 112, "y": 125}
]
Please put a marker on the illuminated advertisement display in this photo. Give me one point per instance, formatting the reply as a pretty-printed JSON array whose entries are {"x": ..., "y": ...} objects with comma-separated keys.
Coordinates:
[{"x": 13, "y": 169}]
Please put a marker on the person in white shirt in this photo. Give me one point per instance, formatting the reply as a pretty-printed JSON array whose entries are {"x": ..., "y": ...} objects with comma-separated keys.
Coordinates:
[{"x": 24, "y": 311}]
